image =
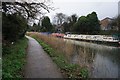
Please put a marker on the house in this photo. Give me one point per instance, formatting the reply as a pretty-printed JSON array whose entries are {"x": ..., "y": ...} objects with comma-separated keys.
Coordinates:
[{"x": 105, "y": 24}]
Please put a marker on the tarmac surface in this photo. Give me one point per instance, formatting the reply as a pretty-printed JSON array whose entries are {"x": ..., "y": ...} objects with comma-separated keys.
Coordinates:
[{"x": 39, "y": 64}]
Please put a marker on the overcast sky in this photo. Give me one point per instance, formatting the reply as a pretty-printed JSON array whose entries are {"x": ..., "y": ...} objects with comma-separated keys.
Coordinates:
[{"x": 103, "y": 8}]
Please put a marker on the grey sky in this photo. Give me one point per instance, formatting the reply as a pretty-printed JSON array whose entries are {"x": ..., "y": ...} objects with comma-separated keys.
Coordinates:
[{"x": 103, "y": 8}]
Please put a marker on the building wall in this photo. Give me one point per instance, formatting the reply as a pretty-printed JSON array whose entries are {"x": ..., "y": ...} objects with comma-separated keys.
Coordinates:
[{"x": 104, "y": 23}]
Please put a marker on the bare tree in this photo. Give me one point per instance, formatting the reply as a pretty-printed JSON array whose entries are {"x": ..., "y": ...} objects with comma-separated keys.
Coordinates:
[
  {"x": 60, "y": 18},
  {"x": 74, "y": 18},
  {"x": 30, "y": 10}
]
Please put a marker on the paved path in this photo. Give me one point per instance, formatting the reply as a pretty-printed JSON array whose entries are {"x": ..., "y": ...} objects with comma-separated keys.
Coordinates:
[{"x": 39, "y": 64}]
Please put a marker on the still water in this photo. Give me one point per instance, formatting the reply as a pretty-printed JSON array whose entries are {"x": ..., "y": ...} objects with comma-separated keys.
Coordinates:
[{"x": 102, "y": 61}]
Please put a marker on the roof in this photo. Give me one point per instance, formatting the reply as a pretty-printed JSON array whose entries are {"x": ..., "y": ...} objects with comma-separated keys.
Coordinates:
[{"x": 107, "y": 18}]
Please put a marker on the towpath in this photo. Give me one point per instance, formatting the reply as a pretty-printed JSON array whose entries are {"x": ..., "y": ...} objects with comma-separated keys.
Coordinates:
[{"x": 39, "y": 64}]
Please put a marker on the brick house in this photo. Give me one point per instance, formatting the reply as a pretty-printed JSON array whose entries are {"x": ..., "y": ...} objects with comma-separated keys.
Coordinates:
[{"x": 105, "y": 24}]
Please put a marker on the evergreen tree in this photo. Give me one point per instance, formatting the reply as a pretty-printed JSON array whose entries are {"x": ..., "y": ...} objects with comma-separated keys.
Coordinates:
[{"x": 46, "y": 24}]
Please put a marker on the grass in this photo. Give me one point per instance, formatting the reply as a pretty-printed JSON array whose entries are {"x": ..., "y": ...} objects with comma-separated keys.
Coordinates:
[
  {"x": 14, "y": 59},
  {"x": 55, "y": 49}
]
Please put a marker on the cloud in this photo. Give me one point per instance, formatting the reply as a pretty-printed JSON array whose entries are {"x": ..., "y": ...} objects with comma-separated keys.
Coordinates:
[
  {"x": 85, "y": 0},
  {"x": 104, "y": 8}
]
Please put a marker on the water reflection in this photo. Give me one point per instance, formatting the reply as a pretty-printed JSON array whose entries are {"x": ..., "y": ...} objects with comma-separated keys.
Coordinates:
[{"x": 102, "y": 61}]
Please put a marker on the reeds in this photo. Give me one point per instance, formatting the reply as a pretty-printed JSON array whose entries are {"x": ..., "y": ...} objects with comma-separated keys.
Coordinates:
[
  {"x": 69, "y": 49},
  {"x": 62, "y": 46},
  {"x": 57, "y": 43}
]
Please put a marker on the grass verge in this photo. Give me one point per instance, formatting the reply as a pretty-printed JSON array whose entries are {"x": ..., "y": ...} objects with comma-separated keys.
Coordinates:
[
  {"x": 14, "y": 59},
  {"x": 69, "y": 70}
]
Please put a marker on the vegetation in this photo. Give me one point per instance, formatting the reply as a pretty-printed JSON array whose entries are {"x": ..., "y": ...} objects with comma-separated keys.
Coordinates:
[
  {"x": 28, "y": 9},
  {"x": 14, "y": 27},
  {"x": 14, "y": 59},
  {"x": 46, "y": 25},
  {"x": 35, "y": 28},
  {"x": 59, "y": 18},
  {"x": 15, "y": 19},
  {"x": 84, "y": 25},
  {"x": 17, "y": 16},
  {"x": 115, "y": 27},
  {"x": 55, "y": 51},
  {"x": 116, "y": 22},
  {"x": 68, "y": 25},
  {"x": 87, "y": 24},
  {"x": 108, "y": 32},
  {"x": 43, "y": 26},
  {"x": 64, "y": 22}
]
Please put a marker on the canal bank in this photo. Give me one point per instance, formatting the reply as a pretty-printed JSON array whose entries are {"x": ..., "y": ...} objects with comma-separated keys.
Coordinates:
[
  {"x": 69, "y": 70},
  {"x": 101, "y": 60}
]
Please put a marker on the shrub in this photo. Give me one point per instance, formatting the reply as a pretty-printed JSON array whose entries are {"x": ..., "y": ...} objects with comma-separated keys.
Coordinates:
[{"x": 14, "y": 27}]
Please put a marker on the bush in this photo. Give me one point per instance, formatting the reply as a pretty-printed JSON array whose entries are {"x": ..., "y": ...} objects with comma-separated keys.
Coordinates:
[{"x": 14, "y": 26}]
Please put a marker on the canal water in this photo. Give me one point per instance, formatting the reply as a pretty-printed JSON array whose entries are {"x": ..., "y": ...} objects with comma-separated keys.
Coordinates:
[{"x": 101, "y": 60}]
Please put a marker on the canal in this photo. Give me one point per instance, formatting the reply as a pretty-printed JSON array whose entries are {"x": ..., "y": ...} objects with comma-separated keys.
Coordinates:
[{"x": 102, "y": 61}]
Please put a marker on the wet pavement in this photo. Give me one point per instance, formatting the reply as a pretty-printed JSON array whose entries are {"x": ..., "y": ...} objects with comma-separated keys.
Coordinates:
[{"x": 39, "y": 64}]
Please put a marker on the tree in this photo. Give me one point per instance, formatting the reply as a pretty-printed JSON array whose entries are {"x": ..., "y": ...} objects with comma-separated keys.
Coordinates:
[
  {"x": 81, "y": 25},
  {"x": 93, "y": 23},
  {"x": 60, "y": 18},
  {"x": 13, "y": 26},
  {"x": 16, "y": 16},
  {"x": 87, "y": 24},
  {"x": 29, "y": 10},
  {"x": 118, "y": 22},
  {"x": 73, "y": 20},
  {"x": 66, "y": 27},
  {"x": 35, "y": 28},
  {"x": 69, "y": 22},
  {"x": 46, "y": 24}
]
